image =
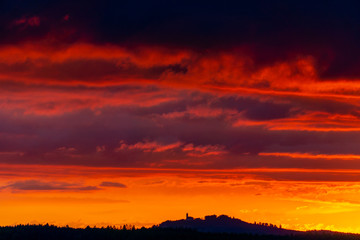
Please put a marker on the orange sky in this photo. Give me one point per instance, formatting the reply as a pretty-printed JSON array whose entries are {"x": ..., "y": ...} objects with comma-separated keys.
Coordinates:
[
  {"x": 111, "y": 118},
  {"x": 150, "y": 196}
]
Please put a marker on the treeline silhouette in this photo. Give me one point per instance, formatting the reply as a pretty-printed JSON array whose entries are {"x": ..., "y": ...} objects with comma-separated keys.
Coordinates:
[
  {"x": 51, "y": 232},
  {"x": 267, "y": 225}
]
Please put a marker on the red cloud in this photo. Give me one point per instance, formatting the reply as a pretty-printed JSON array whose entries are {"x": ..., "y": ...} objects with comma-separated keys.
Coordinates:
[
  {"x": 105, "y": 65},
  {"x": 149, "y": 146},
  {"x": 66, "y": 17},
  {"x": 202, "y": 151},
  {"x": 28, "y": 21},
  {"x": 188, "y": 149},
  {"x": 189, "y": 105}
]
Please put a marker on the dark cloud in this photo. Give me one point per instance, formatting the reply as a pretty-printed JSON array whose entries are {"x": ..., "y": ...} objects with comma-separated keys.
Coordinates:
[
  {"x": 96, "y": 70},
  {"x": 113, "y": 184},
  {"x": 256, "y": 109},
  {"x": 75, "y": 137},
  {"x": 266, "y": 31},
  {"x": 37, "y": 185}
]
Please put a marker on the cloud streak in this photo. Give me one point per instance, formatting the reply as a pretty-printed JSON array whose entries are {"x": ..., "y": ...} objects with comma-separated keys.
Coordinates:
[
  {"x": 38, "y": 185},
  {"x": 113, "y": 184}
]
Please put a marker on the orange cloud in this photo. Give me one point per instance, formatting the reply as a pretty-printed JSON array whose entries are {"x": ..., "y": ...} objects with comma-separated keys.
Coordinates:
[
  {"x": 312, "y": 121},
  {"x": 312, "y": 156}
]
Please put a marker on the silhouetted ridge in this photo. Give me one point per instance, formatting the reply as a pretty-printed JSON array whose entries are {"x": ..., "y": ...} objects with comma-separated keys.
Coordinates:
[
  {"x": 226, "y": 224},
  {"x": 51, "y": 232}
]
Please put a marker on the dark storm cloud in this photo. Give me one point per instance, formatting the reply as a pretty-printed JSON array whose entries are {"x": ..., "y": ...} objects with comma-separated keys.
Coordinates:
[{"x": 267, "y": 31}]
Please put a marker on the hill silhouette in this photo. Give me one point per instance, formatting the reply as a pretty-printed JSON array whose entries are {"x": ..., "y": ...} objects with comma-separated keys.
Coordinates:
[
  {"x": 226, "y": 224},
  {"x": 46, "y": 232}
]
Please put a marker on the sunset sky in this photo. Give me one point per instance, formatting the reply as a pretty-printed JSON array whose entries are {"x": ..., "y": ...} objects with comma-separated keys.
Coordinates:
[{"x": 137, "y": 112}]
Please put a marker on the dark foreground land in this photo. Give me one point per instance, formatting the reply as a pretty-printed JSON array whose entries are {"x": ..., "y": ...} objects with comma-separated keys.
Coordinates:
[{"x": 42, "y": 232}]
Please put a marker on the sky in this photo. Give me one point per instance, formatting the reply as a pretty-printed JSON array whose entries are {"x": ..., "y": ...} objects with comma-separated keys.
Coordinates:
[{"x": 137, "y": 112}]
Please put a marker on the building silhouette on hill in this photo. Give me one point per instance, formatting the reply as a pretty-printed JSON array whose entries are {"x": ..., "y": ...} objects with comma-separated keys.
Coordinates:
[{"x": 188, "y": 218}]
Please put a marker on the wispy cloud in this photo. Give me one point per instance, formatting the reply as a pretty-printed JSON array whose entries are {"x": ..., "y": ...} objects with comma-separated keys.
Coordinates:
[
  {"x": 113, "y": 184},
  {"x": 39, "y": 185}
]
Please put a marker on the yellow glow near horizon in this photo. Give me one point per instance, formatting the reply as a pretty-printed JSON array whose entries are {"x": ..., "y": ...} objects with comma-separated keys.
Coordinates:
[{"x": 148, "y": 199}]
